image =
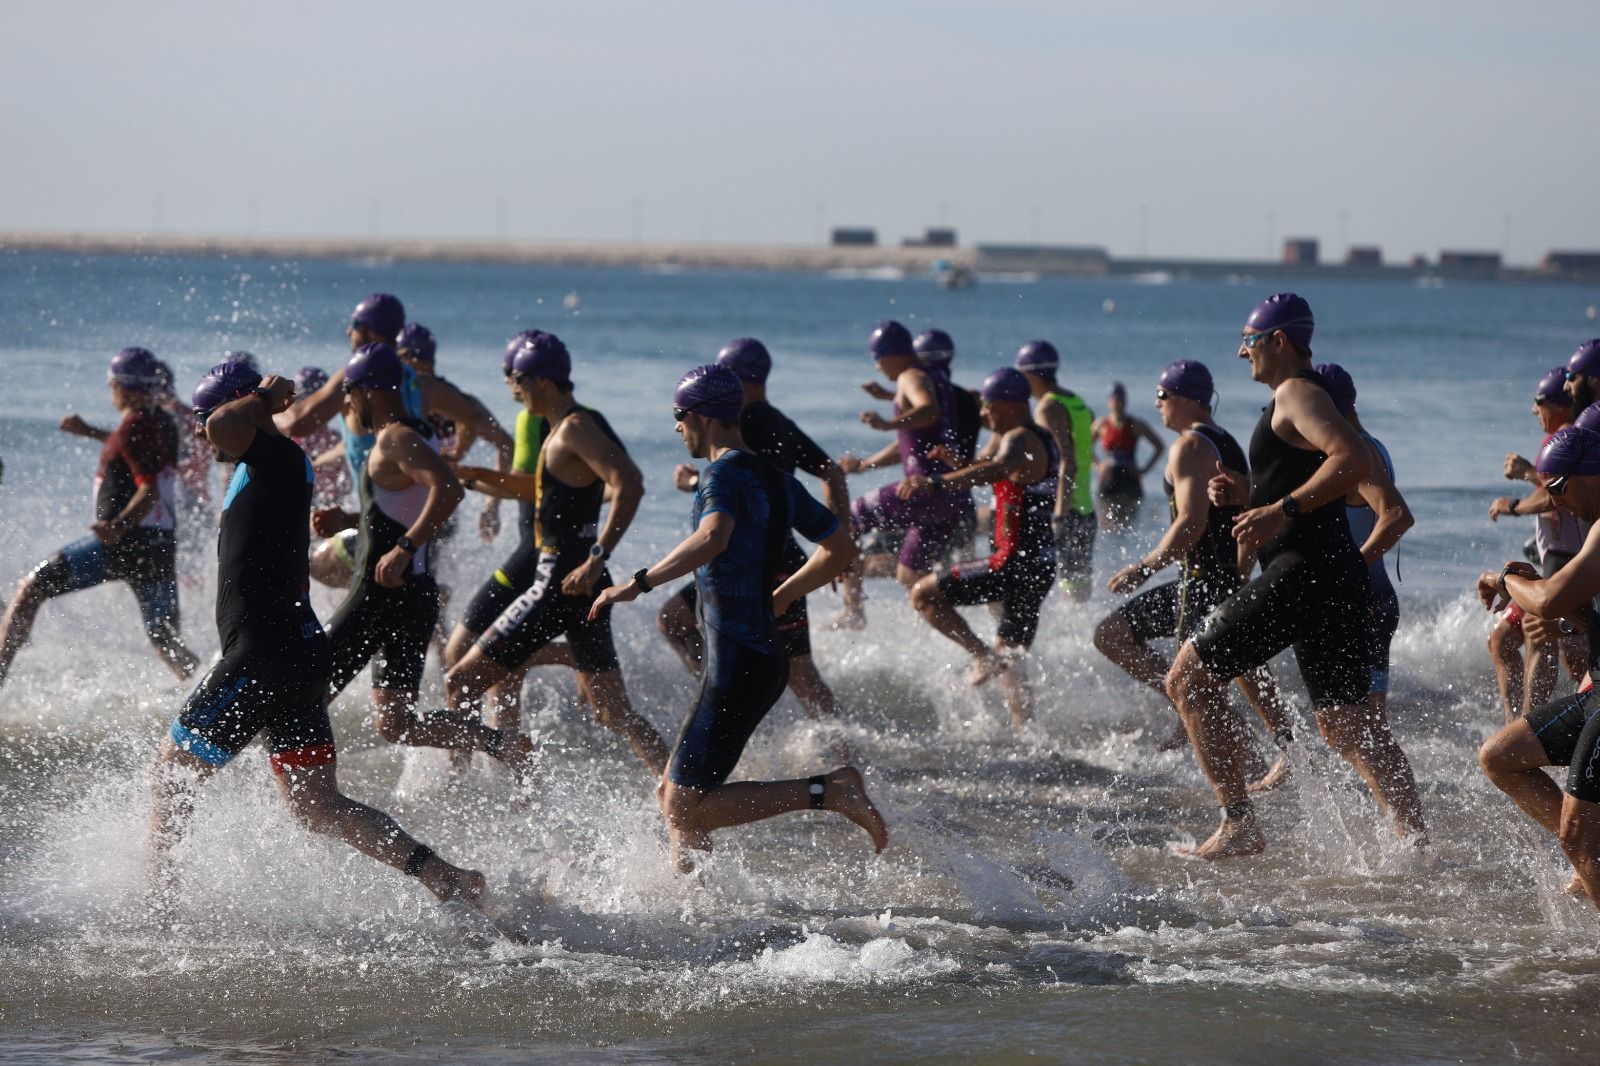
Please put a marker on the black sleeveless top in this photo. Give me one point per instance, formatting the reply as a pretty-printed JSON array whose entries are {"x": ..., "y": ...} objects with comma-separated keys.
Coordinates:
[
  {"x": 567, "y": 519},
  {"x": 1278, "y": 468},
  {"x": 1214, "y": 555}
]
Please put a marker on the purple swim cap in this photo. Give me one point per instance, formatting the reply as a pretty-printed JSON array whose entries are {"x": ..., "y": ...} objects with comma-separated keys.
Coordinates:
[
  {"x": 135, "y": 369},
  {"x": 1189, "y": 379},
  {"x": 890, "y": 339},
  {"x": 1552, "y": 388},
  {"x": 539, "y": 354},
  {"x": 223, "y": 382},
  {"x": 934, "y": 348},
  {"x": 375, "y": 366},
  {"x": 416, "y": 340},
  {"x": 382, "y": 314},
  {"x": 1006, "y": 385},
  {"x": 1287, "y": 312},
  {"x": 1037, "y": 356},
  {"x": 1589, "y": 418},
  {"x": 1118, "y": 391},
  {"x": 748, "y": 358},
  {"x": 514, "y": 345},
  {"x": 310, "y": 379},
  {"x": 1341, "y": 386},
  {"x": 1570, "y": 450},
  {"x": 712, "y": 391},
  {"x": 242, "y": 357},
  {"x": 1586, "y": 360}
]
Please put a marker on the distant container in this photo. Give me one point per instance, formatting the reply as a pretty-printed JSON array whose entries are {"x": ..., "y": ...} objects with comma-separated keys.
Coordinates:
[
  {"x": 1477, "y": 264},
  {"x": 1584, "y": 263},
  {"x": 855, "y": 237},
  {"x": 1300, "y": 251},
  {"x": 932, "y": 238},
  {"x": 1364, "y": 255}
]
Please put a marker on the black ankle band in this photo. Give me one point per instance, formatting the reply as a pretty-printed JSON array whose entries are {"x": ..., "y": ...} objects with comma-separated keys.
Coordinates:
[
  {"x": 496, "y": 742},
  {"x": 1233, "y": 812},
  {"x": 819, "y": 788},
  {"x": 1283, "y": 739},
  {"x": 419, "y": 858}
]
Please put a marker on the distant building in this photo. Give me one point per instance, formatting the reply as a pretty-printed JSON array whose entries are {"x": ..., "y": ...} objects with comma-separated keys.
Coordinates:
[
  {"x": 1300, "y": 251},
  {"x": 1419, "y": 262},
  {"x": 1364, "y": 255},
  {"x": 1044, "y": 258},
  {"x": 932, "y": 237},
  {"x": 1584, "y": 263},
  {"x": 855, "y": 237},
  {"x": 1478, "y": 264}
]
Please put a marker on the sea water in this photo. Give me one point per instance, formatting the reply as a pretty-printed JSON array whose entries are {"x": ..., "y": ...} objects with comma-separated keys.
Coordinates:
[{"x": 1030, "y": 903}]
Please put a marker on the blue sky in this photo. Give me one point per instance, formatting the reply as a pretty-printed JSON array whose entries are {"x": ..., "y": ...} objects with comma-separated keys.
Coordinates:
[{"x": 1415, "y": 125}]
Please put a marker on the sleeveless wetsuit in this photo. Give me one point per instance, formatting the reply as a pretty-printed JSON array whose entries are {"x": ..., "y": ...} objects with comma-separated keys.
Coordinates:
[
  {"x": 771, "y": 435},
  {"x": 745, "y": 669},
  {"x": 1121, "y": 480},
  {"x": 522, "y": 566},
  {"x": 1569, "y": 730},
  {"x": 1313, "y": 589},
  {"x": 1021, "y": 569},
  {"x": 393, "y": 625},
  {"x": 566, "y": 523},
  {"x": 1075, "y": 529},
  {"x": 141, "y": 450},
  {"x": 1385, "y": 605},
  {"x": 1208, "y": 573},
  {"x": 932, "y": 520},
  {"x": 275, "y": 657}
]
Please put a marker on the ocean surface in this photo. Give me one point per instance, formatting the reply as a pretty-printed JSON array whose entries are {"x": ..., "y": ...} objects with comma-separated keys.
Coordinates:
[{"x": 1030, "y": 905}]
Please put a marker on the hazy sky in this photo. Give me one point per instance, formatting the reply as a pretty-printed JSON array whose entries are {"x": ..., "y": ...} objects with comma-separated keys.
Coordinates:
[{"x": 1228, "y": 126}]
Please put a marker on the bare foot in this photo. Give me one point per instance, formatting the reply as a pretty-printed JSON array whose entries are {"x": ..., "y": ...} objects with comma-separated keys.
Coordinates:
[
  {"x": 1273, "y": 778},
  {"x": 451, "y": 884},
  {"x": 1178, "y": 738},
  {"x": 846, "y": 794},
  {"x": 1233, "y": 838},
  {"x": 849, "y": 618},
  {"x": 1575, "y": 887},
  {"x": 984, "y": 667}
]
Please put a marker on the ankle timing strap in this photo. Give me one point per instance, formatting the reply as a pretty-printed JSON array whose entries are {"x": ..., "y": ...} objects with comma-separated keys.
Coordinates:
[
  {"x": 1235, "y": 811},
  {"x": 418, "y": 858},
  {"x": 819, "y": 788}
]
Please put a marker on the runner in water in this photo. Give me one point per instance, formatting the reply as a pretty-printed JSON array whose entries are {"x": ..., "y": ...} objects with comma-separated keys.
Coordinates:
[
  {"x": 923, "y": 420},
  {"x": 275, "y": 658},
  {"x": 1020, "y": 461},
  {"x": 1069, "y": 420},
  {"x": 582, "y": 458},
  {"x": 194, "y": 464},
  {"x": 1119, "y": 434},
  {"x": 503, "y": 706},
  {"x": 1199, "y": 540},
  {"x": 133, "y": 537},
  {"x": 1378, "y": 517},
  {"x": 785, "y": 445},
  {"x": 1566, "y": 731},
  {"x": 936, "y": 352},
  {"x": 1525, "y": 672},
  {"x": 407, "y": 492},
  {"x": 1312, "y": 594},
  {"x": 743, "y": 510}
]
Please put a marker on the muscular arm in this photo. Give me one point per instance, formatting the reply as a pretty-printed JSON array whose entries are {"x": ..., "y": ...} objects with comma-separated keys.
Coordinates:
[
  {"x": 1009, "y": 455},
  {"x": 472, "y": 418},
  {"x": 494, "y": 483},
  {"x": 919, "y": 407},
  {"x": 889, "y": 453},
  {"x": 405, "y": 448},
  {"x": 709, "y": 540},
  {"x": 1190, "y": 466},
  {"x": 1310, "y": 415},
  {"x": 1388, "y": 507},
  {"x": 832, "y": 558},
  {"x": 1054, "y": 418},
  {"x": 607, "y": 459},
  {"x": 834, "y": 491}
]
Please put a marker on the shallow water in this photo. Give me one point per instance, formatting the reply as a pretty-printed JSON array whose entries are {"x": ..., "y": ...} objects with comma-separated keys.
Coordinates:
[{"x": 1030, "y": 904}]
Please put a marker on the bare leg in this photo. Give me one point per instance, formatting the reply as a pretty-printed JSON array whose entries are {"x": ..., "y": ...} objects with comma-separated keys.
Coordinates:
[
  {"x": 1540, "y": 675},
  {"x": 1114, "y": 638},
  {"x": 931, "y": 604},
  {"x": 395, "y": 715},
  {"x": 677, "y": 623},
  {"x": 1364, "y": 740},
  {"x": 1219, "y": 744},
  {"x": 466, "y": 684},
  {"x": 315, "y": 800},
  {"x": 612, "y": 709},
  {"x": 1575, "y": 655},
  {"x": 1580, "y": 839},
  {"x": 1261, "y": 692},
  {"x": 1014, "y": 682},
  {"x": 174, "y": 776},
  {"x": 17, "y": 625},
  {"x": 1505, "y": 651},
  {"x": 169, "y": 645},
  {"x": 692, "y": 814},
  {"x": 853, "y": 615},
  {"x": 1514, "y": 760}
]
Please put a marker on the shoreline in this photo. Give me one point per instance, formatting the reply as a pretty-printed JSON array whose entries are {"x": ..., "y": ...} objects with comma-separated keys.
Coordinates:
[{"x": 1039, "y": 260}]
